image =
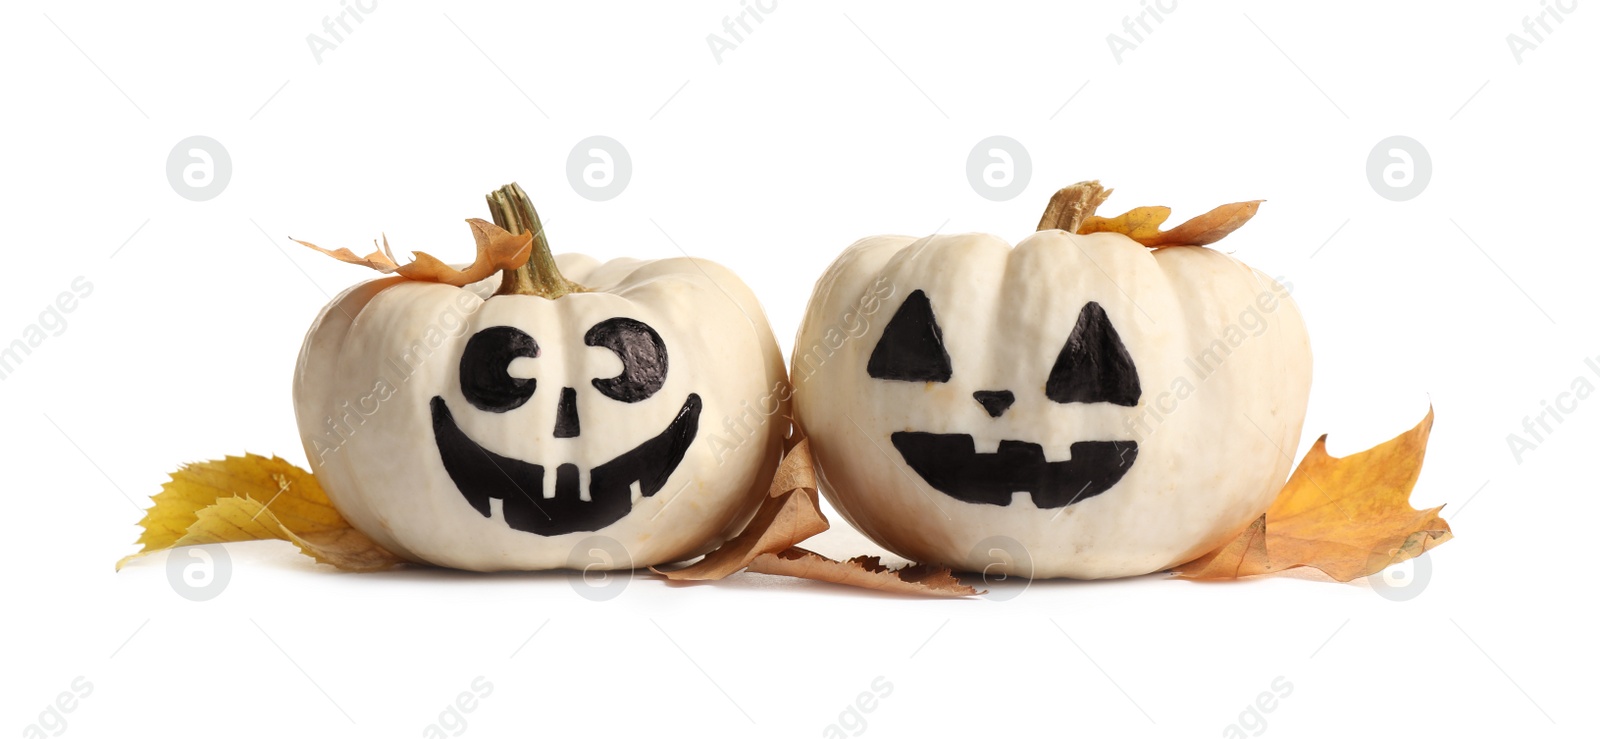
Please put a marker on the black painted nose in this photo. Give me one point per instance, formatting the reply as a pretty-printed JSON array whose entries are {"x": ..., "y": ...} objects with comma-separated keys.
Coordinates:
[
  {"x": 567, "y": 414},
  {"x": 995, "y": 401}
]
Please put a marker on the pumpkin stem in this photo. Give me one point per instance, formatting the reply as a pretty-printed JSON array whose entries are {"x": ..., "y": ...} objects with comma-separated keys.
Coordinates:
[
  {"x": 1073, "y": 205},
  {"x": 514, "y": 212}
]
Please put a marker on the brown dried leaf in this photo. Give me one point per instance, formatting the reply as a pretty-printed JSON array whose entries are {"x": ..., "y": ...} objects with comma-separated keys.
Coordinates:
[
  {"x": 498, "y": 249},
  {"x": 1348, "y": 517},
  {"x": 1144, "y": 225},
  {"x": 381, "y": 260},
  {"x": 790, "y": 514},
  {"x": 862, "y": 572}
]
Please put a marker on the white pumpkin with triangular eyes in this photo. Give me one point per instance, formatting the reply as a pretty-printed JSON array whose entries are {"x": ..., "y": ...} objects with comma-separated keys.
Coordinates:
[{"x": 1078, "y": 405}]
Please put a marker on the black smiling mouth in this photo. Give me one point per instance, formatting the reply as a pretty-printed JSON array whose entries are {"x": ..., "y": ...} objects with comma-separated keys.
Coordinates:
[
  {"x": 951, "y": 464},
  {"x": 481, "y": 474}
]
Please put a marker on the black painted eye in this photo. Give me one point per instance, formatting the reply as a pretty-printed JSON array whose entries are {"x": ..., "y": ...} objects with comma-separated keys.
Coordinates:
[
  {"x": 643, "y": 355},
  {"x": 912, "y": 347},
  {"x": 485, "y": 378},
  {"x": 1094, "y": 366}
]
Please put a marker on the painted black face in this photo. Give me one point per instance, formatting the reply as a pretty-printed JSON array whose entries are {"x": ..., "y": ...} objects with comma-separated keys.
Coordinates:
[
  {"x": 482, "y": 475},
  {"x": 1093, "y": 367}
]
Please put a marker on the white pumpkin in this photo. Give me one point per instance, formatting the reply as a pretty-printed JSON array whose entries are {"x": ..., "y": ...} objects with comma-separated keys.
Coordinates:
[
  {"x": 1078, "y": 405},
  {"x": 488, "y": 431}
]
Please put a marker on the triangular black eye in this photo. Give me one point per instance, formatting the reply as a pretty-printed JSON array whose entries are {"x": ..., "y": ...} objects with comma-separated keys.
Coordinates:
[
  {"x": 912, "y": 348},
  {"x": 1094, "y": 366}
]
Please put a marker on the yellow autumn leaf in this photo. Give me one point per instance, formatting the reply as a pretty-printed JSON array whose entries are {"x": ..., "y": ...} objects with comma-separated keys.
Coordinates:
[
  {"x": 243, "y": 519},
  {"x": 250, "y": 498},
  {"x": 1347, "y": 516},
  {"x": 1143, "y": 225},
  {"x": 1139, "y": 224}
]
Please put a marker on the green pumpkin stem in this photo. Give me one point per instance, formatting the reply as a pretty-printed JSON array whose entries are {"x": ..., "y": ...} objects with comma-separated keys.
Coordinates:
[
  {"x": 1073, "y": 205},
  {"x": 514, "y": 212}
]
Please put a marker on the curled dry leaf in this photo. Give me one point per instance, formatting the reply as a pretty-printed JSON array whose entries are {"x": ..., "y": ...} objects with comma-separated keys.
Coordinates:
[
  {"x": 251, "y": 498},
  {"x": 1348, "y": 517},
  {"x": 791, "y": 514},
  {"x": 1144, "y": 225},
  {"x": 1072, "y": 209},
  {"x": 498, "y": 250},
  {"x": 863, "y": 572}
]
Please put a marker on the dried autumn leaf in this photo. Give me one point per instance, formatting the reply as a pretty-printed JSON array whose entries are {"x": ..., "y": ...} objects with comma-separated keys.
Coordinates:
[
  {"x": 1144, "y": 225},
  {"x": 1348, "y": 516},
  {"x": 249, "y": 498},
  {"x": 863, "y": 572},
  {"x": 1245, "y": 555},
  {"x": 789, "y": 515},
  {"x": 1072, "y": 209},
  {"x": 243, "y": 519},
  {"x": 498, "y": 249},
  {"x": 1139, "y": 224}
]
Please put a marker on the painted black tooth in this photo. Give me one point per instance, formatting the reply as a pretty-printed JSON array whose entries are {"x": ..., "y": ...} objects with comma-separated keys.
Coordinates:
[
  {"x": 1020, "y": 452},
  {"x": 567, "y": 482}
]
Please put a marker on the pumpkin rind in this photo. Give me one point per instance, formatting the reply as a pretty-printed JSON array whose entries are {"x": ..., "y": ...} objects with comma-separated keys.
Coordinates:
[
  {"x": 1208, "y": 460},
  {"x": 381, "y": 352}
]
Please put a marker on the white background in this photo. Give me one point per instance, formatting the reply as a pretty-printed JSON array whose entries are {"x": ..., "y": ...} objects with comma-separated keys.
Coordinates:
[{"x": 826, "y": 124}]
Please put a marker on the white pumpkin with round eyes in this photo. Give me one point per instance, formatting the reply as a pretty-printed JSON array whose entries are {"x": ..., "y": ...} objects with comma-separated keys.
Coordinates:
[
  {"x": 487, "y": 432},
  {"x": 1078, "y": 405}
]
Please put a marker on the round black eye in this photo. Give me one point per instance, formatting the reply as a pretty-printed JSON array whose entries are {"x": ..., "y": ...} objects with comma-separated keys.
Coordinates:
[
  {"x": 643, "y": 355},
  {"x": 485, "y": 377}
]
